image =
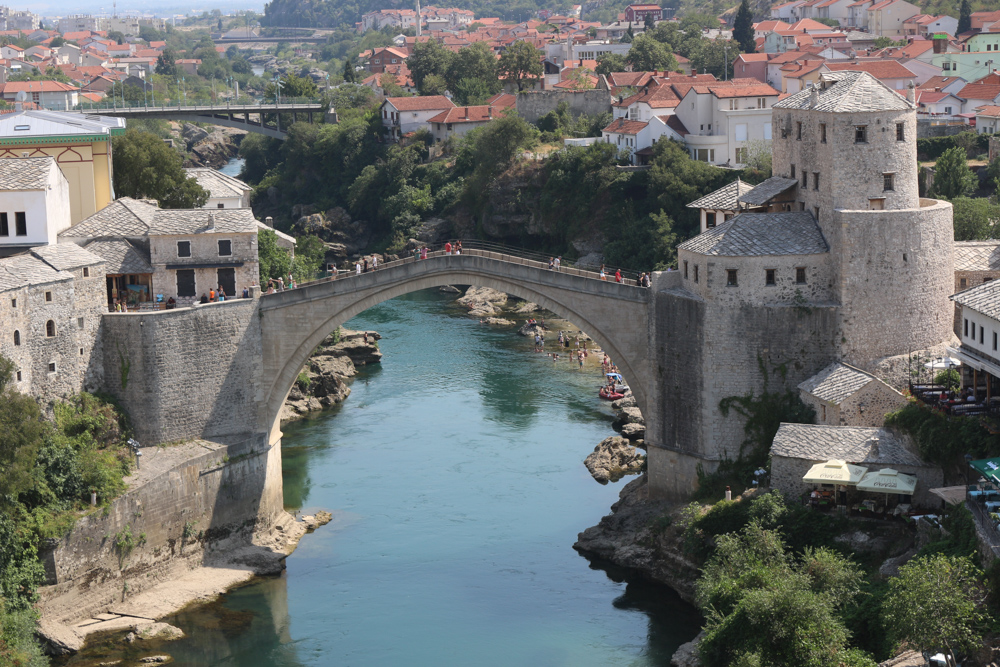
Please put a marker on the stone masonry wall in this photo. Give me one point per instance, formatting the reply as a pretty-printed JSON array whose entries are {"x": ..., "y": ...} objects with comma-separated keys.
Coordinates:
[
  {"x": 866, "y": 407},
  {"x": 186, "y": 373},
  {"x": 752, "y": 287},
  {"x": 204, "y": 250},
  {"x": 211, "y": 502},
  {"x": 533, "y": 104}
]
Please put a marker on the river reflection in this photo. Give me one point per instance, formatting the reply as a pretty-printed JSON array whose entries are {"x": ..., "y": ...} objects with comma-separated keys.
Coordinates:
[{"x": 455, "y": 476}]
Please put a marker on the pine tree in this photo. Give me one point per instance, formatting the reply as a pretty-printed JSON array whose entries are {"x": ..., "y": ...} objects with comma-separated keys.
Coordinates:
[
  {"x": 349, "y": 75},
  {"x": 964, "y": 17},
  {"x": 743, "y": 28}
]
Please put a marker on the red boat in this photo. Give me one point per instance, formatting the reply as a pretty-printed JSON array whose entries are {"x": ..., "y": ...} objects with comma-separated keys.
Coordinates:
[{"x": 609, "y": 394}]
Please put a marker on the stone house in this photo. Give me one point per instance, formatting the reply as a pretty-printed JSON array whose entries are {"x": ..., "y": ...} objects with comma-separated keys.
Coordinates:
[
  {"x": 193, "y": 251},
  {"x": 721, "y": 205},
  {"x": 459, "y": 121},
  {"x": 798, "y": 447},
  {"x": 52, "y": 304},
  {"x": 34, "y": 202},
  {"x": 843, "y": 395},
  {"x": 401, "y": 115},
  {"x": 976, "y": 262},
  {"x": 223, "y": 191}
]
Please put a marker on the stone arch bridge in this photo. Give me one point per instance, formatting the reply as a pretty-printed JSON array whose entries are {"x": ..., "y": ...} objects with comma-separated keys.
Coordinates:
[{"x": 294, "y": 322}]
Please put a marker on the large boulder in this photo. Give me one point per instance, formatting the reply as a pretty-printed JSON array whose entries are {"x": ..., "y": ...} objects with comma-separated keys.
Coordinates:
[
  {"x": 633, "y": 432},
  {"x": 59, "y": 639},
  {"x": 612, "y": 459},
  {"x": 483, "y": 301},
  {"x": 629, "y": 415},
  {"x": 193, "y": 134}
]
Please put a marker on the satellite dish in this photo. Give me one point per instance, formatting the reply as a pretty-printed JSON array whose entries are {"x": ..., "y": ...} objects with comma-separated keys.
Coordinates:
[{"x": 21, "y": 96}]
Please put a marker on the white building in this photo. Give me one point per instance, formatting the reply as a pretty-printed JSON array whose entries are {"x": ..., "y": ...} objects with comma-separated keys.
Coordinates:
[
  {"x": 401, "y": 115},
  {"x": 34, "y": 202},
  {"x": 223, "y": 191},
  {"x": 721, "y": 117},
  {"x": 634, "y": 139},
  {"x": 80, "y": 22},
  {"x": 51, "y": 95}
]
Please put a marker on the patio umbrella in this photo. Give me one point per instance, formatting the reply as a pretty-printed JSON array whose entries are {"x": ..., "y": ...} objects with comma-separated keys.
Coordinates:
[
  {"x": 942, "y": 363},
  {"x": 888, "y": 481},
  {"x": 834, "y": 472}
]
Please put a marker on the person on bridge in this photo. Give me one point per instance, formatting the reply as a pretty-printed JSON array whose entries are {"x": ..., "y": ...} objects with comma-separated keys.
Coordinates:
[
  {"x": 423, "y": 253},
  {"x": 374, "y": 262},
  {"x": 552, "y": 263},
  {"x": 447, "y": 248},
  {"x": 558, "y": 262},
  {"x": 603, "y": 275},
  {"x": 618, "y": 275},
  {"x": 458, "y": 247},
  {"x": 222, "y": 294},
  {"x": 357, "y": 268}
]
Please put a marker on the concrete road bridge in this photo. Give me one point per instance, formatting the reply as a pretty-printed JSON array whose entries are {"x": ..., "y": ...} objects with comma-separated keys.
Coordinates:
[
  {"x": 260, "y": 117},
  {"x": 294, "y": 322}
]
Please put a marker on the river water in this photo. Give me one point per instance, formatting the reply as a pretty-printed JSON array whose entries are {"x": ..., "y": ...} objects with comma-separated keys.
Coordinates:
[{"x": 454, "y": 473}]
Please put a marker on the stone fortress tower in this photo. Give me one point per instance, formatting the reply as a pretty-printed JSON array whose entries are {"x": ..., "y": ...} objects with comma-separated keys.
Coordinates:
[{"x": 834, "y": 258}]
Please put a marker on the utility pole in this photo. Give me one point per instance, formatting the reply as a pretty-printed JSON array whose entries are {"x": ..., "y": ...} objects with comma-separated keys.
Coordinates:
[{"x": 725, "y": 48}]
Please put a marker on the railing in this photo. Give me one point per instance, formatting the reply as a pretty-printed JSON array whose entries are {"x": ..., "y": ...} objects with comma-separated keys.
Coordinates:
[
  {"x": 503, "y": 253},
  {"x": 264, "y": 106}
]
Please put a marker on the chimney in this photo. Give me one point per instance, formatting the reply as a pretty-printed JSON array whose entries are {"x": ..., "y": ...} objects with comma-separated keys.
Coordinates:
[
  {"x": 490, "y": 111},
  {"x": 911, "y": 95},
  {"x": 211, "y": 222},
  {"x": 813, "y": 95},
  {"x": 269, "y": 221},
  {"x": 873, "y": 452}
]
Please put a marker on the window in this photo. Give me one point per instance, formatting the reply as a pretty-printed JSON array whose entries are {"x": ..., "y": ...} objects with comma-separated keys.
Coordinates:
[
  {"x": 962, "y": 284},
  {"x": 947, "y": 110},
  {"x": 888, "y": 182},
  {"x": 800, "y": 275},
  {"x": 861, "y": 134},
  {"x": 966, "y": 324},
  {"x": 816, "y": 212},
  {"x": 220, "y": 206},
  {"x": 741, "y": 156},
  {"x": 86, "y": 272},
  {"x": 732, "y": 105},
  {"x": 21, "y": 223},
  {"x": 822, "y": 133},
  {"x": 740, "y": 131},
  {"x": 17, "y": 338},
  {"x": 4, "y": 227},
  {"x": 79, "y": 322},
  {"x": 762, "y": 104},
  {"x": 769, "y": 277},
  {"x": 48, "y": 296},
  {"x": 185, "y": 282},
  {"x": 900, "y": 133},
  {"x": 994, "y": 340},
  {"x": 793, "y": 171},
  {"x": 52, "y": 367},
  {"x": 815, "y": 180},
  {"x": 183, "y": 248},
  {"x": 876, "y": 204},
  {"x": 805, "y": 179},
  {"x": 19, "y": 376},
  {"x": 696, "y": 273},
  {"x": 731, "y": 278},
  {"x": 686, "y": 275},
  {"x": 50, "y": 328},
  {"x": 982, "y": 335},
  {"x": 227, "y": 281},
  {"x": 798, "y": 131},
  {"x": 225, "y": 248},
  {"x": 947, "y": 67},
  {"x": 13, "y": 303}
]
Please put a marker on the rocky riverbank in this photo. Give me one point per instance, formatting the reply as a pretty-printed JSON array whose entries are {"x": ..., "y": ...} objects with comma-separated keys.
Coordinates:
[{"x": 323, "y": 380}]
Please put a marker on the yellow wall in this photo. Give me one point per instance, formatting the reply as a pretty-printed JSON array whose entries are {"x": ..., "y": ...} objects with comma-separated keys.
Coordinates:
[{"x": 87, "y": 166}]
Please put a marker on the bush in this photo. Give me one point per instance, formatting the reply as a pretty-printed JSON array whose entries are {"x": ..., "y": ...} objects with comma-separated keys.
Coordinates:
[
  {"x": 932, "y": 148},
  {"x": 941, "y": 439}
]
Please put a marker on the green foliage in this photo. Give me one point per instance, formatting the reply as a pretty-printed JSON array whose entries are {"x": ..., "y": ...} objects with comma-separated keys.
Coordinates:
[
  {"x": 743, "y": 28},
  {"x": 934, "y": 147},
  {"x": 124, "y": 543},
  {"x": 475, "y": 62},
  {"x": 428, "y": 58},
  {"x": 50, "y": 74},
  {"x": 941, "y": 439},
  {"x": 309, "y": 255},
  {"x": 937, "y": 603},
  {"x": 166, "y": 63},
  {"x": 883, "y": 42},
  {"x": 275, "y": 262},
  {"x": 952, "y": 176},
  {"x": 521, "y": 62},
  {"x": 608, "y": 62},
  {"x": 18, "y": 646},
  {"x": 948, "y": 378},
  {"x": 146, "y": 168},
  {"x": 958, "y": 537},
  {"x": 647, "y": 54},
  {"x": 964, "y": 17},
  {"x": 303, "y": 381},
  {"x": 488, "y": 151},
  {"x": 975, "y": 218},
  {"x": 292, "y": 86},
  {"x": 20, "y": 571}
]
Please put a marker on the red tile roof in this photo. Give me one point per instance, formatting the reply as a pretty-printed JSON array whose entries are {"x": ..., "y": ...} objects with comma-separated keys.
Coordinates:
[
  {"x": 36, "y": 87},
  {"x": 737, "y": 88},
  {"x": 675, "y": 124},
  {"x": 979, "y": 91},
  {"x": 477, "y": 114},
  {"x": 880, "y": 69},
  {"x": 423, "y": 103},
  {"x": 502, "y": 100},
  {"x": 988, "y": 110},
  {"x": 991, "y": 79},
  {"x": 937, "y": 82},
  {"x": 625, "y": 126}
]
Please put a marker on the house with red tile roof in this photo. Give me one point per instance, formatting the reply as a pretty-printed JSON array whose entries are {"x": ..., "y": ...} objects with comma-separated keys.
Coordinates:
[
  {"x": 946, "y": 84},
  {"x": 53, "y": 95},
  {"x": 985, "y": 20},
  {"x": 762, "y": 28},
  {"x": 988, "y": 119},
  {"x": 401, "y": 115},
  {"x": 751, "y": 66},
  {"x": 377, "y": 59},
  {"x": 459, "y": 121},
  {"x": 937, "y": 106},
  {"x": 979, "y": 94},
  {"x": 399, "y": 74},
  {"x": 784, "y": 11},
  {"x": 837, "y": 10},
  {"x": 634, "y": 139},
  {"x": 889, "y": 72}
]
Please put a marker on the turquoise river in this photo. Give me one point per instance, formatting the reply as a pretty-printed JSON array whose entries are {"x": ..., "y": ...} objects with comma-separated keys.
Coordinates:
[{"x": 455, "y": 476}]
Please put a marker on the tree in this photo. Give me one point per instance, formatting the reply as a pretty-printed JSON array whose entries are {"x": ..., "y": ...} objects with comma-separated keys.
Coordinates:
[
  {"x": 475, "y": 61},
  {"x": 428, "y": 58},
  {"x": 521, "y": 62},
  {"x": 275, "y": 262},
  {"x": 349, "y": 74},
  {"x": 710, "y": 55},
  {"x": 647, "y": 55},
  {"x": 472, "y": 92},
  {"x": 434, "y": 85},
  {"x": 975, "y": 219},
  {"x": 390, "y": 85},
  {"x": 147, "y": 168},
  {"x": 964, "y": 17},
  {"x": 21, "y": 431},
  {"x": 292, "y": 86},
  {"x": 648, "y": 22},
  {"x": 743, "y": 28},
  {"x": 165, "y": 63},
  {"x": 937, "y": 603},
  {"x": 952, "y": 176},
  {"x": 117, "y": 36},
  {"x": 56, "y": 42},
  {"x": 608, "y": 62}
]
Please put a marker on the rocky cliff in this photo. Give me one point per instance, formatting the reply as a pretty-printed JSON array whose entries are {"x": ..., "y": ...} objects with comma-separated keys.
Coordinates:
[
  {"x": 322, "y": 382},
  {"x": 207, "y": 147}
]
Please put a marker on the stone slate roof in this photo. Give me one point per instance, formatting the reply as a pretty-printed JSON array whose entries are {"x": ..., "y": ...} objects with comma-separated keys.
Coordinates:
[
  {"x": 216, "y": 183},
  {"x": 848, "y": 92},
  {"x": 66, "y": 256},
  {"x": 202, "y": 221},
  {"x": 122, "y": 217},
  {"x": 759, "y": 234},
  {"x": 121, "y": 256},
  {"x": 22, "y": 270},
  {"x": 723, "y": 199},
  {"x": 983, "y": 299},
  {"x": 837, "y": 382},
  {"x": 768, "y": 190},
  {"x": 27, "y": 173},
  {"x": 977, "y": 255},
  {"x": 846, "y": 443}
]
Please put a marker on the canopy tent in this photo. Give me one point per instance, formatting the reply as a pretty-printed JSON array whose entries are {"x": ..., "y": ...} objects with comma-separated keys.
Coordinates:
[
  {"x": 942, "y": 363},
  {"x": 953, "y": 495},
  {"x": 834, "y": 472},
  {"x": 888, "y": 480},
  {"x": 988, "y": 468}
]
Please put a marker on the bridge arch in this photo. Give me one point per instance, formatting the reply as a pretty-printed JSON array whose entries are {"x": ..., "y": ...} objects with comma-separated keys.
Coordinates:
[{"x": 295, "y": 322}]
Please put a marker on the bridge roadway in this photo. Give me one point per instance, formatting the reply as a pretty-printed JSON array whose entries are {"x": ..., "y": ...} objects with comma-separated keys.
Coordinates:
[
  {"x": 294, "y": 322},
  {"x": 227, "y": 115}
]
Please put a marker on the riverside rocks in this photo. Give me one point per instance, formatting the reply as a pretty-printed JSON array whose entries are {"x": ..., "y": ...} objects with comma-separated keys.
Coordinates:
[
  {"x": 612, "y": 459},
  {"x": 628, "y": 415},
  {"x": 483, "y": 301},
  {"x": 498, "y": 321},
  {"x": 334, "y": 361}
]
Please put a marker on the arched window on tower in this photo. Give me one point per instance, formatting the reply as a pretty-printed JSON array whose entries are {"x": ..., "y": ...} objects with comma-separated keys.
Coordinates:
[
  {"x": 50, "y": 328},
  {"x": 17, "y": 338}
]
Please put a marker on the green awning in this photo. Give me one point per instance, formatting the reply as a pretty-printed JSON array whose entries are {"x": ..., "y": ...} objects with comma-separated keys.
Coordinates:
[{"x": 988, "y": 468}]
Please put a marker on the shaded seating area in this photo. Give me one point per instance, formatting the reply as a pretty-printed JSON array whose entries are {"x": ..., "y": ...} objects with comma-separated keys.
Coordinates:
[{"x": 983, "y": 495}]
